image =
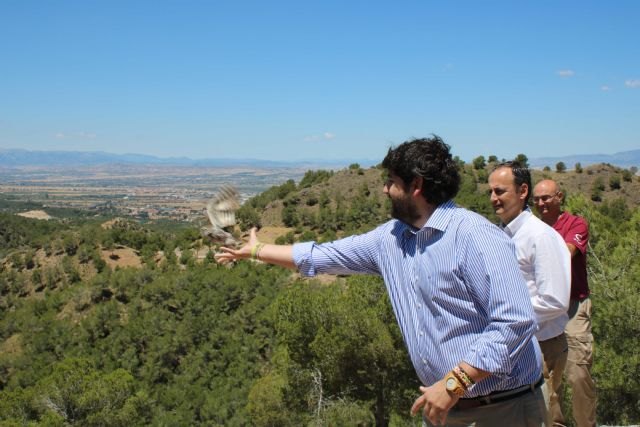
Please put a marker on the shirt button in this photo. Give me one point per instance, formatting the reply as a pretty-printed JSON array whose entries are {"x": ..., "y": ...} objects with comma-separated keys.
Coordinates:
[
  {"x": 424, "y": 361},
  {"x": 421, "y": 333}
]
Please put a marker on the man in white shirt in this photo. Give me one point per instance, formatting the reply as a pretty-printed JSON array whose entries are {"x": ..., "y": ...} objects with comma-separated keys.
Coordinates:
[{"x": 545, "y": 263}]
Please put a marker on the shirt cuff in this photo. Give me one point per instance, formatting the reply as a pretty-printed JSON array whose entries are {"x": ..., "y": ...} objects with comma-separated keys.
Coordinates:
[
  {"x": 301, "y": 253},
  {"x": 491, "y": 358}
]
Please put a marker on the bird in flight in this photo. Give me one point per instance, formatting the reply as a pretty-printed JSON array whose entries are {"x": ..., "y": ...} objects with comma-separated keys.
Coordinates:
[{"x": 221, "y": 211}]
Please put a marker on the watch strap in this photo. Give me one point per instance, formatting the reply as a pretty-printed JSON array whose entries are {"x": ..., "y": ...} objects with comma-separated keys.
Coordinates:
[{"x": 458, "y": 389}]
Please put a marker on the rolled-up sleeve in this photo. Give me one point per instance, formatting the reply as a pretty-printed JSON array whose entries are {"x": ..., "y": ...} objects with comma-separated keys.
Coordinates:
[
  {"x": 502, "y": 293},
  {"x": 351, "y": 255},
  {"x": 302, "y": 258}
]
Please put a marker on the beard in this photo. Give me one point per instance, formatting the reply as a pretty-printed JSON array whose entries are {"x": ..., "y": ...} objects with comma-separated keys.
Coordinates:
[{"x": 404, "y": 210}]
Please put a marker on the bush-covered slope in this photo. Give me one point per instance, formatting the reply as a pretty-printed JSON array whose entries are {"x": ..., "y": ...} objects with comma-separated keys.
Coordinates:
[{"x": 182, "y": 341}]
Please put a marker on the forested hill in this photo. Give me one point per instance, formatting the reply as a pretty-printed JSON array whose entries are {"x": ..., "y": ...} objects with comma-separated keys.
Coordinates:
[
  {"x": 120, "y": 323},
  {"x": 325, "y": 203}
]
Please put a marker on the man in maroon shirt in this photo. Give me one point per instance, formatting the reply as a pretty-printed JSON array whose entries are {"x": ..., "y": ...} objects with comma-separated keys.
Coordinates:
[{"x": 575, "y": 231}]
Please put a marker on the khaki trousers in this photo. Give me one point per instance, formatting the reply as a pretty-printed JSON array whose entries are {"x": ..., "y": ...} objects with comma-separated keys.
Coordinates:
[
  {"x": 554, "y": 352},
  {"x": 528, "y": 410},
  {"x": 578, "y": 370}
]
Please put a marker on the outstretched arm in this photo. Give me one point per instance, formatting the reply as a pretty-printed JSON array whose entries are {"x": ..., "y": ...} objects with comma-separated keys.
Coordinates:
[{"x": 272, "y": 254}]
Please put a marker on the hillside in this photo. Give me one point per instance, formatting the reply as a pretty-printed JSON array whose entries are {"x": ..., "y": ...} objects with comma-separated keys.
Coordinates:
[
  {"x": 327, "y": 204},
  {"x": 607, "y": 181},
  {"x": 123, "y": 322},
  {"x": 356, "y": 194},
  {"x": 323, "y": 206}
]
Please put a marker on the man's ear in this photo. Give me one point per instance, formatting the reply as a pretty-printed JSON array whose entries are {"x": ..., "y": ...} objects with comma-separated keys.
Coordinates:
[
  {"x": 524, "y": 191},
  {"x": 416, "y": 186}
]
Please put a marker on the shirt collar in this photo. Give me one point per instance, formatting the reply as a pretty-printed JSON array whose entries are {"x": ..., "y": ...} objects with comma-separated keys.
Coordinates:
[
  {"x": 512, "y": 228},
  {"x": 561, "y": 218},
  {"x": 441, "y": 216},
  {"x": 438, "y": 220}
]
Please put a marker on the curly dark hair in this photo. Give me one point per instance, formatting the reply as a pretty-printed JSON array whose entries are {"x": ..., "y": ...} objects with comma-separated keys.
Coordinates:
[
  {"x": 521, "y": 175},
  {"x": 430, "y": 159}
]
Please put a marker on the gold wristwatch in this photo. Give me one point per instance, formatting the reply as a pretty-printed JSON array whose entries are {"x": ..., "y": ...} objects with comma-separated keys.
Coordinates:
[{"x": 453, "y": 385}]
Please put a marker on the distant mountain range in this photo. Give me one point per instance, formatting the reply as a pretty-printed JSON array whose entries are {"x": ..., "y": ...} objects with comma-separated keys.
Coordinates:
[
  {"x": 623, "y": 159},
  {"x": 21, "y": 158}
]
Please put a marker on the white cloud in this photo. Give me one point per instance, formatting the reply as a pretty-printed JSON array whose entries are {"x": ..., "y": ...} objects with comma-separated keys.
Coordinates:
[
  {"x": 326, "y": 136},
  {"x": 632, "y": 83},
  {"x": 605, "y": 88},
  {"x": 75, "y": 135},
  {"x": 565, "y": 73}
]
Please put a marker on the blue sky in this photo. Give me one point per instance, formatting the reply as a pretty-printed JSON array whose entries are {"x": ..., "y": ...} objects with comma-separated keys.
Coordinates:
[{"x": 332, "y": 80}]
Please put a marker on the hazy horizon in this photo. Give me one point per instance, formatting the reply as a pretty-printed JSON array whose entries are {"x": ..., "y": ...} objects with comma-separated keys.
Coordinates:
[{"x": 319, "y": 160}]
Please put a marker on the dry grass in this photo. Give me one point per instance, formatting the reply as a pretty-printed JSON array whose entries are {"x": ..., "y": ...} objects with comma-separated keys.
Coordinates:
[
  {"x": 121, "y": 257},
  {"x": 12, "y": 345},
  {"x": 36, "y": 215}
]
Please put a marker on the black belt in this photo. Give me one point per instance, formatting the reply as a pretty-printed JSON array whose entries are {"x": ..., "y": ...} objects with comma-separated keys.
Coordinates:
[{"x": 496, "y": 396}]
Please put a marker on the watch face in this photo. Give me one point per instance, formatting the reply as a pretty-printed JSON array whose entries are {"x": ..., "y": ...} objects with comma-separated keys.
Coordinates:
[{"x": 451, "y": 384}]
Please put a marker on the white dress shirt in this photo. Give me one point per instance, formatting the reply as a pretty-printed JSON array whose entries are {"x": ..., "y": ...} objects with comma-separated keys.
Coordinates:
[{"x": 545, "y": 263}]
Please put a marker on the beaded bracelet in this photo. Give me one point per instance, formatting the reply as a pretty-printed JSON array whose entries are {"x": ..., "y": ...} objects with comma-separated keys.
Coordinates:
[
  {"x": 466, "y": 380},
  {"x": 462, "y": 383},
  {"x": 255, "y": 251}
]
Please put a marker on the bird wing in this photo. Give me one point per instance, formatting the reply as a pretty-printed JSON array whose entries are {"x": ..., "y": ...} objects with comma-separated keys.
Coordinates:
[{"x": 221, "y": 209}]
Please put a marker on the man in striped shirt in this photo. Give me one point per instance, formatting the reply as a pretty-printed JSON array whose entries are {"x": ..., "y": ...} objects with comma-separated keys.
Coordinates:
[{"x": 455, "y": 287}]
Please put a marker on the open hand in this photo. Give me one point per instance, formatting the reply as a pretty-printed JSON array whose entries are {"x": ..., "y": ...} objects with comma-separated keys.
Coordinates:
[{"x": 227, "y": 255}]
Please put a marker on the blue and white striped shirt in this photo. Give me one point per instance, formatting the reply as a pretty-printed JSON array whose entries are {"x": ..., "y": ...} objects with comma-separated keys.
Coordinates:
[{"x": 456, "y": 291}]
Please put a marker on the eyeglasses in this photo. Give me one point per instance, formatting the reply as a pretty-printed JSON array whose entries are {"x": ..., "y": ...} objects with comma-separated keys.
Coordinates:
[{"x": 544, "y": 198}]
